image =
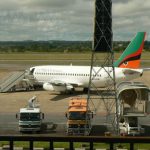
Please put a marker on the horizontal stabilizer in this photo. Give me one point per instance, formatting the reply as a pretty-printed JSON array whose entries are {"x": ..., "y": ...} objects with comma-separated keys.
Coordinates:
[
  {"x": 132, "y": 71},
  {"x": 146, "y": 69}
]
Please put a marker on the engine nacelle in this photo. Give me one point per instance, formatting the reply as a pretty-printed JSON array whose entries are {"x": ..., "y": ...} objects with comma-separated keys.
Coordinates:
[{"x": 48, "y": 87}]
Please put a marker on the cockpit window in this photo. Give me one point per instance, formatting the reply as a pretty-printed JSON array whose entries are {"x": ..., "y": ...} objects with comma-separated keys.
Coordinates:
[{"x": 32, "y": 71}]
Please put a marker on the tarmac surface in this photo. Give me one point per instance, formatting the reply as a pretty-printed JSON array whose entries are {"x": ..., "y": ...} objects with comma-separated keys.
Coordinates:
[{"x": 53, "y": 105}]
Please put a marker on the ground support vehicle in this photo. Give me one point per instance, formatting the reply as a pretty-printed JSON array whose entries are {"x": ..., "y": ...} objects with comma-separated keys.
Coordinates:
[
  {"x": 134, "y": 103},
  {"x": 30, "y": 118},
  {"x": 129, "y": 125},
  {"x": 78, "y": 117}
]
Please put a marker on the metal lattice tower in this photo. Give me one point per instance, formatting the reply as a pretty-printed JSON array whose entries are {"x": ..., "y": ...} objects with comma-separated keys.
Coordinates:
[{"x": 102, "y": 47}]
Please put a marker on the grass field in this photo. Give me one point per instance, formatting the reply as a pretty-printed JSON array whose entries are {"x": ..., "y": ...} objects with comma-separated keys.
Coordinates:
[{"x": 61, "y": 58}]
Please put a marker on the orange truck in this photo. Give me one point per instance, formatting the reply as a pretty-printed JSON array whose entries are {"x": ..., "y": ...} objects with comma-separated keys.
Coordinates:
[{"x": 78, "y": 117}]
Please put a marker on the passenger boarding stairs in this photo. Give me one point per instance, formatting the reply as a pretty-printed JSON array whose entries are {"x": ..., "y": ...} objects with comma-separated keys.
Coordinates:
[{"x": 11, "y": 81}]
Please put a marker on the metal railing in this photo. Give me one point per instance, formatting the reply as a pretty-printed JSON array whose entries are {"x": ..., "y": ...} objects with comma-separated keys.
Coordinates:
[
  {"x": 111, "y": 141},
  {"x": 11, "y": 81}
]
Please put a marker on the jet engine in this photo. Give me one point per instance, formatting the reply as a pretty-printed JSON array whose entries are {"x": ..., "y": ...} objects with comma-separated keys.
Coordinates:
[
  {"x": 58, "y": 88},
  {"x": 48, "y": 87}
]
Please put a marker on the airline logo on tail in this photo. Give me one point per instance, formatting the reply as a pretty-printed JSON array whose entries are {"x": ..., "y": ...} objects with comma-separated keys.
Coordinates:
[{"x": 132, "y": 54}]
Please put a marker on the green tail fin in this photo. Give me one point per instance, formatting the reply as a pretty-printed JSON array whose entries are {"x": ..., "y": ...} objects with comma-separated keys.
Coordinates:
[{"x": 132, "y": 54}]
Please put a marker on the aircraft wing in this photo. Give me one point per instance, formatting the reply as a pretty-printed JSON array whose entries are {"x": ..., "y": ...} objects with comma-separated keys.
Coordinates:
[
  {"x": 60, "y": 86},
  {"x": 62, "y": 83},
  {"x": 58, "y": 83}
]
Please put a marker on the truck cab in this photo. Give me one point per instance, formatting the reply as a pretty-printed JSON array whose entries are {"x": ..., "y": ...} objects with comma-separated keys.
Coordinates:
[{"x": 30, "y": 118}]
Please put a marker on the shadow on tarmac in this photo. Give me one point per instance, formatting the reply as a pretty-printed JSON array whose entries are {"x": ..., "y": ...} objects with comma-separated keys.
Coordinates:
[{"x": 98, "y": 130}]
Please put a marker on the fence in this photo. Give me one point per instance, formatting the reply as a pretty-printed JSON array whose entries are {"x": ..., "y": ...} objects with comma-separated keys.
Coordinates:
[{"x": 71, "y": 139}]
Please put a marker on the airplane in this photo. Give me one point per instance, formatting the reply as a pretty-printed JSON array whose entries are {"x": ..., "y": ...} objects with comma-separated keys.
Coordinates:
[{"x": 65, "y": 78}]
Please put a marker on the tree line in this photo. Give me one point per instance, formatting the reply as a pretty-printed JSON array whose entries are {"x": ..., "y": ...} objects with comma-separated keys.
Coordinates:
[{"x": 57, "y": 46}]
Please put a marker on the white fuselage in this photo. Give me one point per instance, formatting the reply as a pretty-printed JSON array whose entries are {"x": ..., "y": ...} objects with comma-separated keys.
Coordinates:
[{"x": 78, "y": 76}]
